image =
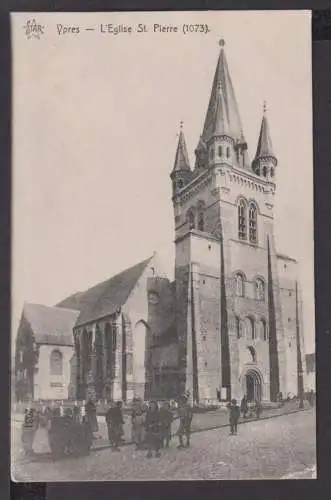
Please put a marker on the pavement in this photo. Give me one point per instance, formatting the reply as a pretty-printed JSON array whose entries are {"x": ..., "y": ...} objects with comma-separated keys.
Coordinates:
[{"x": 270, "y": 448}]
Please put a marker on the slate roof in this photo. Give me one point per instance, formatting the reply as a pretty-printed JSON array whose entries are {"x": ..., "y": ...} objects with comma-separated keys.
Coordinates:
[
  {"x": 220, "y": 124},
  {"x": 182, "y": 161},
  {"x": 74, "y": 301},
  {"x": 264, "y": 146},
  {"x": 50, "y": 325},
  {"x": 103, "y": 299},
  {"x": 229, "y": 108}
]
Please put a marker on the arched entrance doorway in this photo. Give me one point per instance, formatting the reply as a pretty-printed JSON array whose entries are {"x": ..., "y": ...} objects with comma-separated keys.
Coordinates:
[{"x": 253, "y": 385}]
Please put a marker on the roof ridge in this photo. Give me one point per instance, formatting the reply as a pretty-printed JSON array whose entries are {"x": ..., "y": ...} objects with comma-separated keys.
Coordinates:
[
  {"x": 145, "y": 262},
  {"x": 94, "y": 303},
  {"x": 49, "y": 307}
]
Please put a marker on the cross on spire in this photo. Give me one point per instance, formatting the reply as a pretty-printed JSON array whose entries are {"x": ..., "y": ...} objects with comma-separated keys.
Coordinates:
[
  {"x": 221, "y": 42},
  {"x": 265, "y": 106}
]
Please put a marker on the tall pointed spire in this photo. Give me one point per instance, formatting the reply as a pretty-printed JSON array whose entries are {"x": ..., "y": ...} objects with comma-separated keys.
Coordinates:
[
  {"x": 220, "y": 124},
  {"x": 181, "y": 173},
  {"x": 264, "y": 145},
  {"x": 181, "y": 160},
  {"x": 265, "y": 160},
  {"x": 222, "y": 78}
]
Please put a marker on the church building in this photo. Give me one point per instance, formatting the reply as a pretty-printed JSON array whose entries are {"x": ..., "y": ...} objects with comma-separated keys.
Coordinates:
[
  {"x": 230, "y": 322},
  {"x": 237, "y": 302}
]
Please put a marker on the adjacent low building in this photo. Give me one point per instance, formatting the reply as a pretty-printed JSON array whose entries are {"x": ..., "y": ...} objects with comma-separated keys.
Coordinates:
[{"x": 44, "y": 347}]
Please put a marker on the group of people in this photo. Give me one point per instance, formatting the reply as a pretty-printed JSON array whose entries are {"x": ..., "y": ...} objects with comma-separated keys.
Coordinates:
[
  {"x": 47, "y": 429},
  {"x": 151, "y": 425}
]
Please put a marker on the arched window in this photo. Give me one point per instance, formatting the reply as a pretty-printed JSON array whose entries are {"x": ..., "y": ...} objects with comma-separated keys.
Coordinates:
[
  {"x": 242, "y": 225},
  {"x": 190, "y": 219},
  {"x": 201, "y": 222},
  {"x": 220, "y": 151},
  {"x": 265, "y": 171},
  {"x": 211, "y": 153},
  {"x": 259, "y": 289},
  {"x": 250, "y": 328},
  {"x": 180, "y": 183},
  {"x": 239, "y": 285},
  {"x": 228, "y": 152},
  {"x": 252, "y": 223},
  {"x": 272, "y": 172},
  {"x": 264, "y": 331},
  {"x": 238, "y": 327},
  {"x": 56, "y": 363}
]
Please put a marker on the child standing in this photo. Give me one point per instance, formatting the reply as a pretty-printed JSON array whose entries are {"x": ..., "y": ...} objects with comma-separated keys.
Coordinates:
[{"x": 234, "y": 416}]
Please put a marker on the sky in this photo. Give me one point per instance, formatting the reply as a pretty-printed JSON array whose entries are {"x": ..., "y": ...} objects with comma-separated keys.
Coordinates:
[{"x": 95, "y": 128}]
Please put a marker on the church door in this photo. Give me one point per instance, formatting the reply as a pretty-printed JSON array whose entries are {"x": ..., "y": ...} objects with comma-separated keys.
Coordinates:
[
  {"x": 250, "y": 387},
  {"x": 253, "y": 386}
]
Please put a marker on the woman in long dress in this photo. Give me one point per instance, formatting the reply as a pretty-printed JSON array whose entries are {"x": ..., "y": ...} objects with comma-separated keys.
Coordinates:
[{"x": 41, "y": 441}]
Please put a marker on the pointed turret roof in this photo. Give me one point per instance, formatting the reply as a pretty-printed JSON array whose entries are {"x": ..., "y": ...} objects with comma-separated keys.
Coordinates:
[
  {"x": 220, "y": 124},
  {"x": 222, "y": 78},
  {"x": 264, "y": 145},
  {"x": 181, "y": 160}
]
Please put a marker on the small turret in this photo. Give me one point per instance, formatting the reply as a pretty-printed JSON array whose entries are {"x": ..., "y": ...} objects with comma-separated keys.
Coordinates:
[
  {"x": 265, "y": 161},
  {"x": 181, "y": 173}
]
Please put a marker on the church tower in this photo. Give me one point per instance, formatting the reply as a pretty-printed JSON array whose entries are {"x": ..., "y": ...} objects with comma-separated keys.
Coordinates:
[{"x": 229, "y": 312}]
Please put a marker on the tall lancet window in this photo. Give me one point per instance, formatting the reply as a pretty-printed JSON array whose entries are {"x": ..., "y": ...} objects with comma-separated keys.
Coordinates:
[
  {"x": 259, "y": 289},
  {"x": 190, "y": 218},
  {"x": 239, "y": 285},
  {"x": 238, "y": 327},
  {"x": 264, "y": 331},
  {"x": 252, "y": 223},
  {"x": 242, "y": 224},
  {"x": 201, "y": 221}
]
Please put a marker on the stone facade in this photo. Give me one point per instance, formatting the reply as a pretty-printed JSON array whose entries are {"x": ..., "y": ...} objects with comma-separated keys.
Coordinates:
[
  {"x": 238, "y": 317},
  {"x": 114, "y": 353}
]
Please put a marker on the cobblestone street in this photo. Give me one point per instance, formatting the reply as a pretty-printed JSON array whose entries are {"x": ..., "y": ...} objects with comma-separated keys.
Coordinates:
[{"x": 282, "y": 447}]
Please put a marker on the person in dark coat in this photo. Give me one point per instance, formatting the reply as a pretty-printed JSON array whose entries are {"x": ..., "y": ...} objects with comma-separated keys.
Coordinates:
[
  {"x": 29, "y": 429},
  {"x": 91, "y": 413},
  {"x": 185, "y": 414},
  {"x": 166, "y": 418},
  {"x": 138, "y": 424},
  {"x": 114, "y": 420},
  {"x": 153, "y": 430},
  {"x": 234, "y": 416},
  {"x": 244, "y": 406}
]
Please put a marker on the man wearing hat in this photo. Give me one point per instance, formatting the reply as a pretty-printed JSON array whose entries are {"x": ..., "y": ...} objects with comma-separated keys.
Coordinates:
[{"x": 185, "y": 416}]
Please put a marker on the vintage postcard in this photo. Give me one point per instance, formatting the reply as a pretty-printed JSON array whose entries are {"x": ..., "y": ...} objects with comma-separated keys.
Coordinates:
[{"x": 163, "y": 273}]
